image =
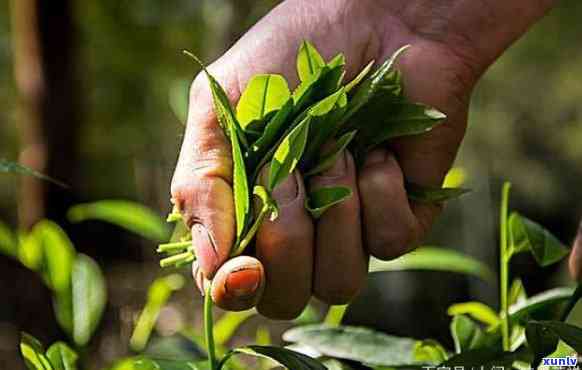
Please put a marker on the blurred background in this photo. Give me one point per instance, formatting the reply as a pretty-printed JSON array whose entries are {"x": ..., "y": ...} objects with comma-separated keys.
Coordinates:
[{"x": 91, "y": 94}]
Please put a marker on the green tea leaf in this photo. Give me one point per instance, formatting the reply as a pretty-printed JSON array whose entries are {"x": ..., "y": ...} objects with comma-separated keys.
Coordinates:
[
  {"x": 59, "y": 254},
  {"x": 538, "y": 303},
  {"x": 13, "y": 167},
  {"x": 576, "y": 296},
  {"x": 274, "y": 128},
  {"x": 392, "y": 120},
  {"x": 329, "y": 158},
  {"x": 382, "y": 83},
  {"x": 436, "y": 259},
  {"x": 517, "y": 293},
  {"x": 288, "y": 154},
  {"x": 570, "y": 334},
  {"x": 326, "y": 120},
  {"x": 466, "y": 334},
  {"x": 354, "y": 343},
  {"x": 335, "y": 315},
  {"x": 227, "y": 325},
  {"x": 322, "y": 199},
  {"x": 430, "y": 352},
  {"x": 333, "y": 364},
  {"x": 8, "y": 245},
  {"x": 309, "y": 61},
  {"x": 222, "y": 107},
  {"x": 30, "y": 252},
  {"x": 129, "y": 215},
  {"x": 477, "y": 310},
  {"x": 425, "y": 194},
  {"x": 62, "y": 357},
  {"x": 491, "y": 358},
  {"x": 285, "y": 357},
  {"x": 363, "y": 74},
  {"x": 33, "y": 353},
  {"x": 541, "y": 340},
  {"x": 158, "y": 294},
  {"x": 264, "y": 94},
  {"x": 527, "y": 235},
  {"x": 89, "y": 298},
  {"x": 144, "y": 363}
]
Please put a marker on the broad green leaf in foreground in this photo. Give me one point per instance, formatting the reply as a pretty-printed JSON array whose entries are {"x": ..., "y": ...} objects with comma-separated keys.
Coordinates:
[
  {"x": 13, "y": 167},
  {"x": 322, "y": 199},
  {"x": 541, "y": 341},
  {"x": 309, "y": 61},
  {"x": 355, "y": 343},
  {"x": 538, "y": 303},
  {"x": 288, "y": 154},
  {"x": 62, "y": 357},
  {"x": 33, "y": 353},
  {"x": 89, "y": 298},
  {"x": 437, "y": 259},
  {"x": 476, "y": 310},
  {"x": 290, "y": 359},
  {"x": 576, "y": 296},
  {"x": 527, "y": 235},
  {"x": 570, "y": 334},
  {"x": 158, "y": 294},
  {"x": 126, "y": 214},
  {"x": 264, "y": 94},
  {"x": 425, "y": 194}
]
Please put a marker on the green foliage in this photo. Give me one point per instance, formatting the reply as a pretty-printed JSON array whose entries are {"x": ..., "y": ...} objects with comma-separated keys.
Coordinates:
[
  {"x": 320, "y": 200},
  {"x": 327, "y": 160},
  {"x": 529, "y": 236},
  {"x": 288, "y": 154},
  {"x": 434, "y": 258},
  {"x": 263, "y": 95},
  {"x": 477, "y": 310},
  {"x": 62, "y": 357},
  {"x": 226, "y": 326},
  {"x": 309, "y": 61},
  {"x": 33, "y": 353},
  {"x": 433, "y": 195},
  {"x": 354, "y": 343},
  {"x": 89, "y": 296},
  {"x": 158, "y": 294},
  {"x": 335, "y": 315},
  {"x": 430, "y": 351},
  {"x": 282, "y": 356},
  {"x": 8, "y": 244},
  {"x": 128, "y": 215},
  {"x": 466, "y": 333}
]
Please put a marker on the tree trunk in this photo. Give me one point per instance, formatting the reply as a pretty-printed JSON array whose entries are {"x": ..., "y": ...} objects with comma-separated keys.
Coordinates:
[{"x": 44, "y": 52}]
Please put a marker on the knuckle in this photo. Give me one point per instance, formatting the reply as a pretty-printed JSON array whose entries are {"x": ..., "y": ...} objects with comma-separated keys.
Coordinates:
[{"x": 392, "y": 242}]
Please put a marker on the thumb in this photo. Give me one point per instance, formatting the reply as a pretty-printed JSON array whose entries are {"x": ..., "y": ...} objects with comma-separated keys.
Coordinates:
[
  {"x": 202, "y": 182},
  {"x": 575, "y": 262}
]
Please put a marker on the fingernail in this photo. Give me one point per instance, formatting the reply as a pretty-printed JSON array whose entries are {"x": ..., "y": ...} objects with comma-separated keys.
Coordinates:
[
  {"x": 287, "y": 191},
  {"x": 198, "y": 277},
  {"x": 205, "y": 250},
  {"x": 243, "y": 283},
  {"x": 375, "y": 157},
  {"x": 339, "y": 168}
]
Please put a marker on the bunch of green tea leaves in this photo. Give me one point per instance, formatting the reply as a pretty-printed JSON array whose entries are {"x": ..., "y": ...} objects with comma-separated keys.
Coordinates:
[{"x": 284, "y": 130}]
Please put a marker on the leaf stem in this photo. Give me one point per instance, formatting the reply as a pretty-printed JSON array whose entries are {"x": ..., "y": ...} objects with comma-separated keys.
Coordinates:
[
  {"x": 178, "y": 259},
  {"x": 252, "y": 231},
  {"x": 174, "y": 247},
  {"x": 504, "y": 258},
  {"x": 208, "y": 329}
]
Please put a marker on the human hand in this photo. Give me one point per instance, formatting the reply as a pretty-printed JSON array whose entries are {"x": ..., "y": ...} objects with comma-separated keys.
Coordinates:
[{"x": 295, "y": 257}]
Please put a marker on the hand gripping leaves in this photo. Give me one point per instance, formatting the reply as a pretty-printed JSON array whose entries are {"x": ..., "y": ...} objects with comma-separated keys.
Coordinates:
[{"x": 272, "y": 126}]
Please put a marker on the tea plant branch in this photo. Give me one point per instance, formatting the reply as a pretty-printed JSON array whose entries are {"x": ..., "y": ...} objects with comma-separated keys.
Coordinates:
[
  {"x": 209, "y": 330},
  {"x": 504, "y": 257}
]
